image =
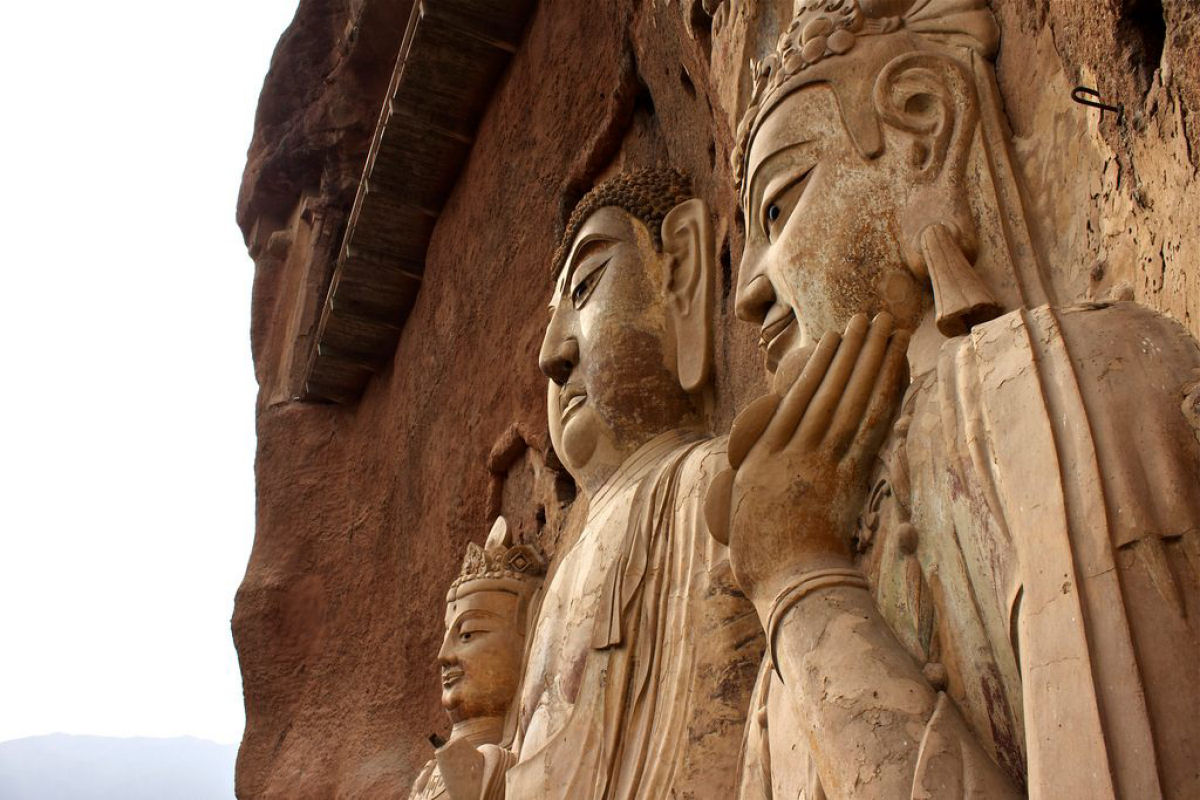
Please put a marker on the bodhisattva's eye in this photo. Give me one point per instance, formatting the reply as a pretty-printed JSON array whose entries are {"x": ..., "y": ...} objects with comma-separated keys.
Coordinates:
[
  {"x": 585, "y": 285},
  {"x": 780, "y": 203}
]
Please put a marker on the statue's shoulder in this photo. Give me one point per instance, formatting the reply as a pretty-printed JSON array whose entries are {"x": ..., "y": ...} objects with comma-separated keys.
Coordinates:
[
  {"x": 705, "y": 459},
  {"x": 1108, "y": 363},
  {"x": 1093, "y": 333},
  {"x": 713, "y": 448},
  {"x": 1115, "y": 384},
  {"x": 1095, "y": 329}
]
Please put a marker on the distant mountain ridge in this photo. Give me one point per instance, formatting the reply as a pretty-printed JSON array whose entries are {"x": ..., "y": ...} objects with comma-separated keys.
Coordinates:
[{"x": 64, "y": 767}]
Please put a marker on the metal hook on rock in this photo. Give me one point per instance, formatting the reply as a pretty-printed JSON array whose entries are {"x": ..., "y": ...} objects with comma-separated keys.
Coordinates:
[{"x": 1078, "y": 95}]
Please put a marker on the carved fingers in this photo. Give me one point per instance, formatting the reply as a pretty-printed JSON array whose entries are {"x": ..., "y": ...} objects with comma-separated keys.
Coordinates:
[
  {"x": 796, "y": 407},
  {"x": 834, "y": 385},
  {"x": 800, "y": 456},
  {"x": 885, "y": 397},
  {"x": 844, "y": 393}
]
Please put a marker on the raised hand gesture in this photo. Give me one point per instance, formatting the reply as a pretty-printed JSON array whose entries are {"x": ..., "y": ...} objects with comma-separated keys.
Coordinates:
[{"x": 801, "y": 458}]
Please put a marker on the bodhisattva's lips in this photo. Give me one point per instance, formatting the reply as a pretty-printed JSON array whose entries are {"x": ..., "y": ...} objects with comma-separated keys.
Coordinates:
[
  {"x": 778, "y": 331},
  {"x": 569, "y": 399},
  {"x": 451, "y": 676}
]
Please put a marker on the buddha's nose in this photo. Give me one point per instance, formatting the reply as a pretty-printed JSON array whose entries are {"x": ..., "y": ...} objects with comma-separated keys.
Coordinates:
[
  {"x": 446, "y": 656},
  {"x": 560, "y": 352},
  {"x": 754, "y": 299}
]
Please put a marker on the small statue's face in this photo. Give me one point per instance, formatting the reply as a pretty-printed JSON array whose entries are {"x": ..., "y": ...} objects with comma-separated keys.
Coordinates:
[
  {"x": 481, "y": 654},
  {"x": 821, "y": 227},
  {"x": 608, "y": 350}
]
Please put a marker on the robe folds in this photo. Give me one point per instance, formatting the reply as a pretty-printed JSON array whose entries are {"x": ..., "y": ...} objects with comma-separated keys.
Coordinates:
[
  {"x": 1033, "y": 538},
  {"x": 645, "y": 698},
  {"x": 464, "y": 763}
]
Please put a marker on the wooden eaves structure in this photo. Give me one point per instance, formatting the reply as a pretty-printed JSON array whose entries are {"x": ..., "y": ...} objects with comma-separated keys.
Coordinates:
[{"x": 453, "y": 54}]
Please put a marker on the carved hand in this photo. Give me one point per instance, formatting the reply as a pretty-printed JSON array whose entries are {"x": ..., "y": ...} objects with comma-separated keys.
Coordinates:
[{"x": 801, "y": 461}]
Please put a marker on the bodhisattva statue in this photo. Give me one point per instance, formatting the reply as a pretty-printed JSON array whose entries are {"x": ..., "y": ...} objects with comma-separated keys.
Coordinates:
[
  {"x": 630, "y": 688},
  {"x": 999, "y": 593},
  {"x": 488, "y": 611}
]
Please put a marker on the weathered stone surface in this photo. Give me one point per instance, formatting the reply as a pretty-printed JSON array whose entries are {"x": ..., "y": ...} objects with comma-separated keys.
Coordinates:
[
  {"x": 1122, "y": 194},
  {"x": 319, "y": 105},
  {"x": 364, "y": 510}
]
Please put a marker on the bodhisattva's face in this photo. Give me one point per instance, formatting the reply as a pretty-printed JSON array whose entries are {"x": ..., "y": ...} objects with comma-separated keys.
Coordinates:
[
  {"x": 609, "y": 348},
  {"x": 481, "y": 654},
  {"x": 821, "y": 227}
]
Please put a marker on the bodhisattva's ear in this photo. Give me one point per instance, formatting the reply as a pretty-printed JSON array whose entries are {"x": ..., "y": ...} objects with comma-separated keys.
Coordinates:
[
  {"x": 687, "y": 235},
  {"x": 932, "y": 98}
]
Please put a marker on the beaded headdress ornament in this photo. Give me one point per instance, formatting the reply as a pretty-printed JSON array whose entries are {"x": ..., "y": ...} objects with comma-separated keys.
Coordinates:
[
  {"x": 822, "y": 30},
  {"x": 500, "y": 560}
]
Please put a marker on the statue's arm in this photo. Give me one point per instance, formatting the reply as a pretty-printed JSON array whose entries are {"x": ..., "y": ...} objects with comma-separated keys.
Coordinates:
[
  {"x": 863, "y": 702},
  {"x": 874, "y": 725},
  {"x": 877, "y": 728}
]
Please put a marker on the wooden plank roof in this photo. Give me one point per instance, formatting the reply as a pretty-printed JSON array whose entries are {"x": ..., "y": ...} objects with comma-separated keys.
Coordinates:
[{"x": 453, "y": 53}]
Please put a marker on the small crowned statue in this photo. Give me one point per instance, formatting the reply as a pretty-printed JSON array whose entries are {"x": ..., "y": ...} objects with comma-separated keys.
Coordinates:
[{"x": 487, "y": 616}]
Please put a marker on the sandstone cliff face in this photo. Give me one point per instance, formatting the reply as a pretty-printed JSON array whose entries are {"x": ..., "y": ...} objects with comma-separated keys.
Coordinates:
[
  {"x": 364, "y": 510},
  {"x": 1122, "y": 194}
]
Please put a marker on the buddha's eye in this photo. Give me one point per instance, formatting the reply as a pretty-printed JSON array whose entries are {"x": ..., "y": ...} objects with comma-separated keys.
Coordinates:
[
  {"x": 473, "y": 629},
  {"x": 469, "y": 635},
  {"x": 583, "y": 289}
]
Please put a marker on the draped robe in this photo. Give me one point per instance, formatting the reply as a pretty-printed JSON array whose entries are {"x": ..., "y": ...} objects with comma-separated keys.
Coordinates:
[
  {"x": 1034, "y": 537},
  {"x": 644, "y": 652}
]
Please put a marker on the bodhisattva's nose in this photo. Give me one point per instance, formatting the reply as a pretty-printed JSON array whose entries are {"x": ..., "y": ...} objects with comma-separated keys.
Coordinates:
[
  {"x": 755, "y": 296},
  {"x": 560, "y": 350}
]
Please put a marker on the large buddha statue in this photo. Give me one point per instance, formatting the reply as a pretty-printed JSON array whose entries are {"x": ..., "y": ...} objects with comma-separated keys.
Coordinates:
[
  {"x": 488, "y": 610},
  {"x": 636, "y": 681},
  {"x": 983, "y": 580}
]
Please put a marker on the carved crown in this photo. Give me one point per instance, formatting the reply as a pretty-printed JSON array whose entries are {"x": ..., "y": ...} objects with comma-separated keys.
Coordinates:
[
  {"x": 500, "y": 559},
  {"x": 822, "y": 29}
]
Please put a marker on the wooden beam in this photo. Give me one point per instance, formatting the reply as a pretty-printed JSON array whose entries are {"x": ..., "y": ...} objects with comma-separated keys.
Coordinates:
[{"x": 453, "y": 53}]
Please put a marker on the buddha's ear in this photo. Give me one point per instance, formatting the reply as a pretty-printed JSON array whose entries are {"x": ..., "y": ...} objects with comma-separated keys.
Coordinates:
[
  {"x": 932, "y": 99},
  {"x": 687, "y": 236}
]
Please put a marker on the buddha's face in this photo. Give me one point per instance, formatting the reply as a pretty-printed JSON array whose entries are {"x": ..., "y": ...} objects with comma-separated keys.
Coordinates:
[
  {"x": 821, "y": 227},
  {"x": 609, "y": 348},
  {"x": 481, "y": 654}
]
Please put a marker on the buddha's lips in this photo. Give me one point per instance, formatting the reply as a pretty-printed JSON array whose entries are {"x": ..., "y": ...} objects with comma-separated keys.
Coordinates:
[
  {"x": 451, "y": 676},
  {"x": 571, "y": 399}
]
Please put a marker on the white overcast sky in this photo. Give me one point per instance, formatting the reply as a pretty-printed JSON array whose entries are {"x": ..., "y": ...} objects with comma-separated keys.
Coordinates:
[{"x": 127, "y": 494}]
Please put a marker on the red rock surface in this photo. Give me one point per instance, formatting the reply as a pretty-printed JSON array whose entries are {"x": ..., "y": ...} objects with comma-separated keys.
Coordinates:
[{"x": 364, "y": 511}]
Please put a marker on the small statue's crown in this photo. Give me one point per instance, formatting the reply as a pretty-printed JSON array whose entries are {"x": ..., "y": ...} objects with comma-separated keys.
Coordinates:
[
  {"x": 500, "y": 559},
  {"x": 822, "y": 29}
]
